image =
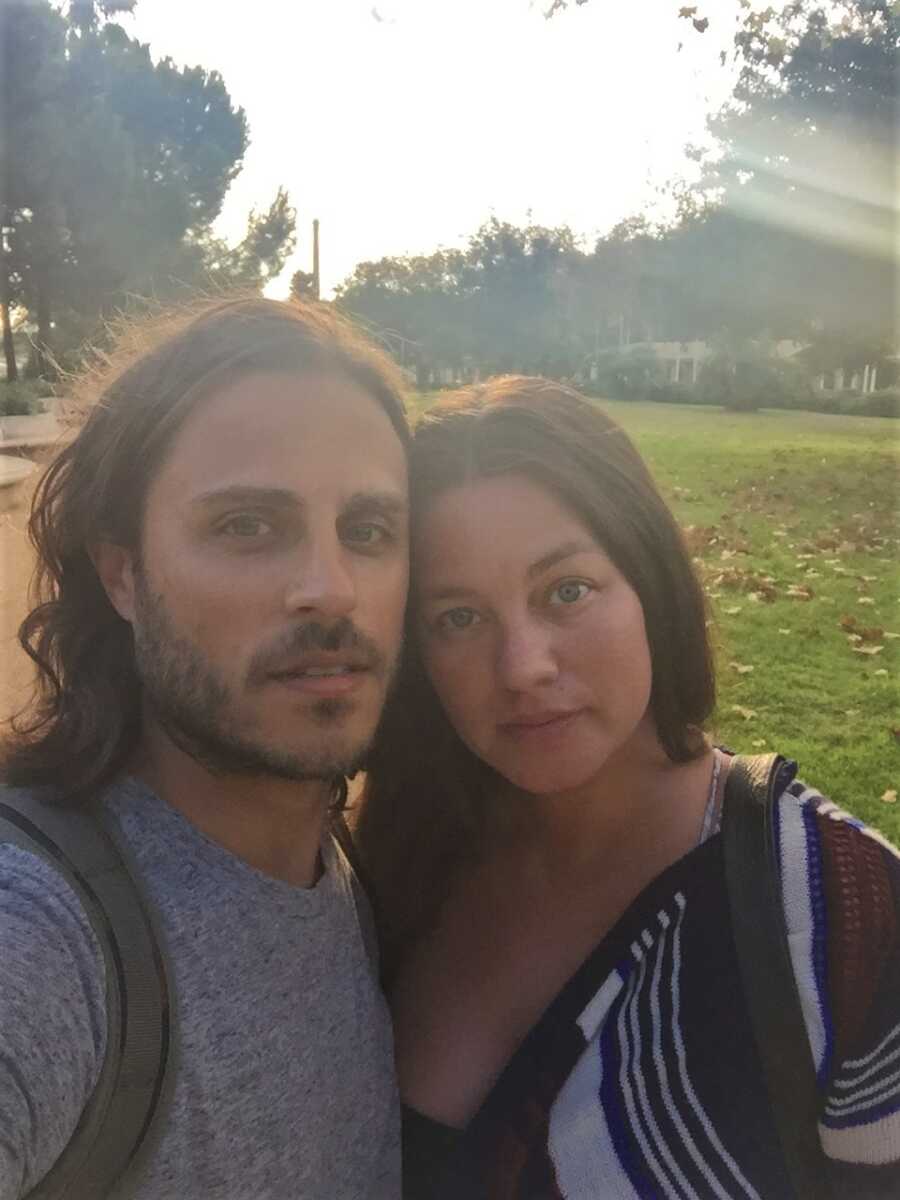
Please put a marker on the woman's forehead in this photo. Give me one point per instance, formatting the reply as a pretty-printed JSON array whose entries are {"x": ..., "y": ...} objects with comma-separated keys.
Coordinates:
[{"x": 499, "y": 524}]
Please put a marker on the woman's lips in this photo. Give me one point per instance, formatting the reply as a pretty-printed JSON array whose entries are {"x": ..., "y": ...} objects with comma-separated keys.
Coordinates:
[{"x": 537, "y": 725}]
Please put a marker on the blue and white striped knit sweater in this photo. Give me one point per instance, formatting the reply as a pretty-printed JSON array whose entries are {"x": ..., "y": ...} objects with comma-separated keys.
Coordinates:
[{"x": 642, "y": 1078}]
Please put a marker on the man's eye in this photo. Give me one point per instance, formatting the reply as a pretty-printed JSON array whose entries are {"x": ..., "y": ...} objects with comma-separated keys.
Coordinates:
[
  {"x": 570, "y": 591},
  {"x": 366, "y": 533},
  {"x": 245, "y": 525},
  {"x": 455, "y": 619}
]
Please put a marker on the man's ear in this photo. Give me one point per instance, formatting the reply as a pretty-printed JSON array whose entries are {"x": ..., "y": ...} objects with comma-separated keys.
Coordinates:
[{"x": 115, "y": 567}]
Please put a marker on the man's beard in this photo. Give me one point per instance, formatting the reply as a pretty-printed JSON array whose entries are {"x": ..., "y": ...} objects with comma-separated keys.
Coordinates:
[{"x": 194, "y": 706}]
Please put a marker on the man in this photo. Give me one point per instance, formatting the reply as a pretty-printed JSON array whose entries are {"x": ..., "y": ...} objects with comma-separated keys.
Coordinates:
[{"x": 223, "y": 554}]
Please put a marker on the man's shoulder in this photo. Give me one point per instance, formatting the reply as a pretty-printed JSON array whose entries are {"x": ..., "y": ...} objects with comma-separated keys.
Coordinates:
[
  {"x": 42, "y": 915},
  {"x": 52, "y": 1002}
]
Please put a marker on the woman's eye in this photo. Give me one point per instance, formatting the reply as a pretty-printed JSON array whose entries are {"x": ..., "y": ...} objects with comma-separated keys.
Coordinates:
[
  {"x": 245, "y": 525},
  {"x": 456, "y": 619},
  {"x": 569, "y": 592}
]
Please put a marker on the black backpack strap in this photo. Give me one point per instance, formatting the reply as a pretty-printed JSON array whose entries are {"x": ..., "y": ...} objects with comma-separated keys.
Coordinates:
[
  {"x": 80, "y": 844},
  {"x": 767, "y": 974}
]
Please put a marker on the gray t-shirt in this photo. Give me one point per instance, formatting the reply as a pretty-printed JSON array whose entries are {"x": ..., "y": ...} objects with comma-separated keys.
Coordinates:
[{"x": 283, "y": 1080}]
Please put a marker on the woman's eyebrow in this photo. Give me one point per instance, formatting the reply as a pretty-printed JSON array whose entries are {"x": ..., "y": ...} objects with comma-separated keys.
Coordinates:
[
  {"x": 451, "y": 591},
  {"x": 552, "y": 557}
]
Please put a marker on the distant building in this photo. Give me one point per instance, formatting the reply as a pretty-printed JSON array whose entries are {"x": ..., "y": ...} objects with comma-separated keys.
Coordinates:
[{"x": 682, "y": 362}]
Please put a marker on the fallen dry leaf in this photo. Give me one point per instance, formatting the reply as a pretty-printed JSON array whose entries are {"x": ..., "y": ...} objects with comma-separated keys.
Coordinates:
[
  {"x": 785, "y": 632},
  {"x": 890, "y": 796},
  {"x": 851, "y": 712},
  {"x": 880, "y": 671},
  {"x": 747, "y": 713},
  {"x": 867, "y": 649},
  {"x": 798, "y": 592},
  {"x": 857, "y": 632},
  {"x": 731, "y": 612},
  {"x": 891, "y": 635},
  {"x": 741, "y": 668},
  {"x": 864, "y": 600},
  {"x": 698, "y": 536},
  {"x": 758, "y": 743}
]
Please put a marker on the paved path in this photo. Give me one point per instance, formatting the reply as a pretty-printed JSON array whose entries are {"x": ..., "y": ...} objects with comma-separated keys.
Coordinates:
[
  {"x": 42, "y": 429},
  {"x": 19, "y": 436},
  {"x": 14, "y": 469}
]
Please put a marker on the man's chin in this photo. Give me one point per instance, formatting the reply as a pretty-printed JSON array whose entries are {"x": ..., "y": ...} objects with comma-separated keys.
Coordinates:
[{"x": 228, "y": 754}]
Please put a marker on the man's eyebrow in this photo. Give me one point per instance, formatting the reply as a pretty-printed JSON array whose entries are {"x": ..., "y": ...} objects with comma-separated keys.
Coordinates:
[
  {"x": 247, "y": 494},
  {"x": 390, "y": 504},
  {"x": 552, "y": 557}
]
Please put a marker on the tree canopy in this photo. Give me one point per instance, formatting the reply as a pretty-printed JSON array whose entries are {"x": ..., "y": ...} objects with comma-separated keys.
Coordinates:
[{"x": 113, "y": 168}]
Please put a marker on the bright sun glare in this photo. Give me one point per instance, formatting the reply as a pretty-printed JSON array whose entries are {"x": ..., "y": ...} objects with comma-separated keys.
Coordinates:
[{"x": 404, "y": 124}]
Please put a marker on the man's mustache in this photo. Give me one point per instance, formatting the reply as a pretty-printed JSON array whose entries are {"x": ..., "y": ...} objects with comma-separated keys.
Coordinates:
[{"x": 314, "y": 636}]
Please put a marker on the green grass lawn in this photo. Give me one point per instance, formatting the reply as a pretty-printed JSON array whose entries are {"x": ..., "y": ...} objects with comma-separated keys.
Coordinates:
[{"x": 792, "y": 518}]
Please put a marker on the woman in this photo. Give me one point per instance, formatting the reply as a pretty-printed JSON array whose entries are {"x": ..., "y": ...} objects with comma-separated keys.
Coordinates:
[{"x": 540, "y": 826}]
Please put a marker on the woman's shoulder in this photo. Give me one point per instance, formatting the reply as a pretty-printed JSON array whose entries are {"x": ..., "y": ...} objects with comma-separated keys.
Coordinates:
[
  {"x": 840, "y": 884},
  {"x": 826, "y": 851},
  {"x": 841, "y": 894}
]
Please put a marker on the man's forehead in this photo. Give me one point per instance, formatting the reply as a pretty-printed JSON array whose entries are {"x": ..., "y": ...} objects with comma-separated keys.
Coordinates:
[
  {"x": 293, "y": 433},
  {"x": 310, "y": 395}
]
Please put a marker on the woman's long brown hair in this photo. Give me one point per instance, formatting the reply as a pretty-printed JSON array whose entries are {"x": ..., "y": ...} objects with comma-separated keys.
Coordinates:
[
  {"x": 425, "y": 811},
  {"x": 84, "y": 720}
]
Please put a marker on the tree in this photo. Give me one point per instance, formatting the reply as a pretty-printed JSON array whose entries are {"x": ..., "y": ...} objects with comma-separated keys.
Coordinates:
[
  {"x": 112, "y": 170},
  {"x": 496, "y": 303},
  {"x": 32, "y": 48},
  {"x": 303, "y": 285},
  {"x": 685, "y": 12}
]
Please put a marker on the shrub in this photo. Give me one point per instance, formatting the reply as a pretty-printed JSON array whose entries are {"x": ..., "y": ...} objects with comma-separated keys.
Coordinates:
[
  {"x": 674, "y": 393},
  {"x": 625, "y": 375},
  {"x": 730, "y": 382},
  {"x": 23, "y": 399},
  {"x": 883, "y": 403}
]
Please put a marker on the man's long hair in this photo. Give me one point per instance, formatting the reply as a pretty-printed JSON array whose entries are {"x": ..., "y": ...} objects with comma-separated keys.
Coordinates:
[{"x": 84, "y": 720}]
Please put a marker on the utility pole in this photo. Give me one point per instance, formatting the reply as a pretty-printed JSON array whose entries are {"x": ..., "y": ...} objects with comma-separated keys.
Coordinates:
[{"x": 315, "y": 286}]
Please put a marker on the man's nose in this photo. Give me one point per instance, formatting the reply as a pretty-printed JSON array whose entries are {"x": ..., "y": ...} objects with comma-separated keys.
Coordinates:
[
  {"x": 526, "y": 657},
  {"x": 321, "y": 580}
]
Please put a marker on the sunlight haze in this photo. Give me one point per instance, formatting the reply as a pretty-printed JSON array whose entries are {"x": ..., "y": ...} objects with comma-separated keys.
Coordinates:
[{"x": 405, "y": 125}]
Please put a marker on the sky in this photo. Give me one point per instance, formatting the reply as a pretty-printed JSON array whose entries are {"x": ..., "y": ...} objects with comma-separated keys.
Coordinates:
[{"x": 404, "y": 125}]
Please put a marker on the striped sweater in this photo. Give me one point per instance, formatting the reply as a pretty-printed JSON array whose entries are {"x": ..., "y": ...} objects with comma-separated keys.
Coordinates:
[{"x": 642, "y": 1080}]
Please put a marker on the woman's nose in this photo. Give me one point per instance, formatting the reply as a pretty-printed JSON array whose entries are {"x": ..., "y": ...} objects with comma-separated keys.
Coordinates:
[{"x": 527, "y": 658}]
